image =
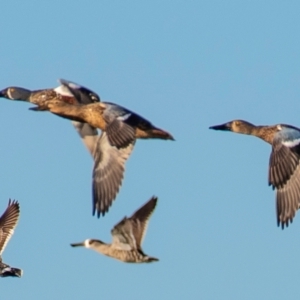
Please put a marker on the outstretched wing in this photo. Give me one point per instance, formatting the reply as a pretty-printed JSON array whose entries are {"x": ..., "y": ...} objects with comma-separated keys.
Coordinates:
[
  {"x": 8, "y": 223},
  {"x": 130, "y": 232},
  {"x": 284, "y": 173},
  {"x": 108, "y": 173},
  {"x": 140, "y": 220},
  {"x": 123, "y": 237}
]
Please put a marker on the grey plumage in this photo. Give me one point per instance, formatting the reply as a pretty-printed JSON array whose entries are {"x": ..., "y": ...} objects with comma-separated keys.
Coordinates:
[{"x": 127, "y": 236}]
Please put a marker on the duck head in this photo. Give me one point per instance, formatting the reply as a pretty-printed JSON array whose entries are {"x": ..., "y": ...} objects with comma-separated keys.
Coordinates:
[
  {"x": 88, "y": 243},
  {"x": 15, "y": 93},
  {"x": 238, "y": 126}
]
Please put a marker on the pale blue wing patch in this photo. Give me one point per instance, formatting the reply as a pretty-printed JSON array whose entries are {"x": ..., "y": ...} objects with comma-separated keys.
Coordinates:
[{"x": 288, "y": 136}]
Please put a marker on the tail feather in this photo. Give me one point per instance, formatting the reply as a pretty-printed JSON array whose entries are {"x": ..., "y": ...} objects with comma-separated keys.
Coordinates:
[
  {"x": 153, "y": 133},
  {"x": 151, "y": 259},
  {"x": 161, "y": 134}
]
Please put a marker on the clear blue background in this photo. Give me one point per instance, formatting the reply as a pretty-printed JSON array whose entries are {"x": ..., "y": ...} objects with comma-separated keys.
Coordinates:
[{"x": 184, "y": 65}]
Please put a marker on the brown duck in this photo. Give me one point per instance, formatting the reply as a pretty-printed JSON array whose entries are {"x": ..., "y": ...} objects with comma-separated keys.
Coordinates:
[
  {"x": 120, "y": 129},
  {"x": 284, "y": 164}
]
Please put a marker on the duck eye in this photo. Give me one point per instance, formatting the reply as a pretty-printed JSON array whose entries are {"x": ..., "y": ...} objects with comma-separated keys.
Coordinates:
[{"x": 237, "y": 123}]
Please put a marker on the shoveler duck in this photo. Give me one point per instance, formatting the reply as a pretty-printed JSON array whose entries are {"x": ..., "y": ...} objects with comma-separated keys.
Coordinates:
[
  {"x": 127, "y": 237},
  {"x": 284, "y": 164},
  {"x": 79, "y": 95},
  {"x": 8, "y": 223},
  {"x": 120, "y": 129}
]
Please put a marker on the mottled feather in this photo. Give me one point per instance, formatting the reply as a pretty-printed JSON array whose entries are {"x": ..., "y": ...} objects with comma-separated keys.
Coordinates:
[
  {"x": 131, "y": 231},
  {"x": 8, "y": 223}
]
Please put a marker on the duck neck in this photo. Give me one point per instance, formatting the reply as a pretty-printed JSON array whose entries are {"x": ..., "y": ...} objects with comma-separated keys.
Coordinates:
[
  {"x": 101, "y": 247},
  {"x": 262, "y": 132}
]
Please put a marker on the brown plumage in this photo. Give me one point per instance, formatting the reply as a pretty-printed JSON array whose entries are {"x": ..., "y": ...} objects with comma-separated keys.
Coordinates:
[
  {"x": 284, "y": 164},
  {"x": 120, "y": 129},
  {"x": 100, "y": 115}
]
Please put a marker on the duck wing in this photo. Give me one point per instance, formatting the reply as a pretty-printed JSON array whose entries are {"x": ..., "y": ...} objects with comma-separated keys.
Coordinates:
[
  {"x": 131, "y": 231},
  {"x": 8, "y": 223},
  {"x": 108, "y": 173},
  {"x": 120, "y": 133},
  {"x": 284, "y": 173}
]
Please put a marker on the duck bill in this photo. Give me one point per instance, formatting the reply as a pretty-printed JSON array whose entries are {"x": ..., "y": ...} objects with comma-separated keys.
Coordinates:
[
  {"x": 224, "y": 127},
  {"x": 77, "y": 245},
  {"x": 3, "y": 93}
]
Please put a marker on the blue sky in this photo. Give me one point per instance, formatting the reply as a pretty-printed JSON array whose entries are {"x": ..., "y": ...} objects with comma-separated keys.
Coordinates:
[{"x": 184, "y": 65}]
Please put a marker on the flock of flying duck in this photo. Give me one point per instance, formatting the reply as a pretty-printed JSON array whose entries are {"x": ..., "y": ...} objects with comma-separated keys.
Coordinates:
[
  {"x": 120, "y": 128},
  {"x": 110, "y": 150}
]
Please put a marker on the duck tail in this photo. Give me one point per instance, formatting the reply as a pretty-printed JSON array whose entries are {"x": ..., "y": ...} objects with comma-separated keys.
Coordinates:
[
  {"x": 150, "y": 259},
  {"x": 157, "y": 133}
]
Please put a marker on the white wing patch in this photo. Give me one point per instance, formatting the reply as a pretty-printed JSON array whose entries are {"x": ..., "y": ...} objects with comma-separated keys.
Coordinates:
[
  {"x": 63, "y": 90},
  {"x": 6, "y": 269},
  {"x": 291, "y": 144},
  {"x": 74, "y": 86},
  {"x": 125, "y": 117}
]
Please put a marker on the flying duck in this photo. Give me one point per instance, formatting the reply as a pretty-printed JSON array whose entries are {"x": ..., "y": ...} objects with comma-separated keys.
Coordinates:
[
  {"x": 284, "y": 164},
  {"x": 127, "y": 237},
  {"x": 120, "y": 128}
]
